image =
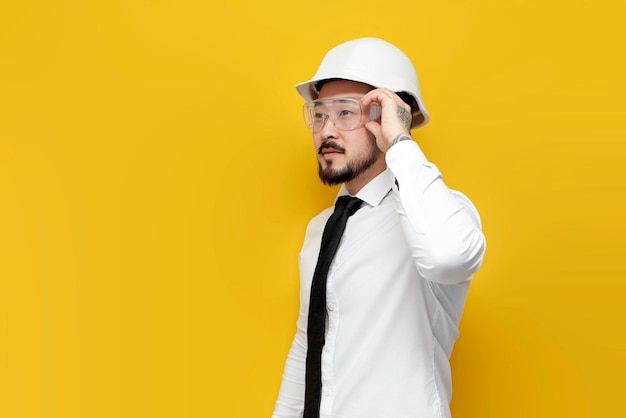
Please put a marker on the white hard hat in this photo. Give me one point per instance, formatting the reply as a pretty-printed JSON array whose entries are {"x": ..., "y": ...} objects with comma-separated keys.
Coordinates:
[{"x": 371, "y": 61}]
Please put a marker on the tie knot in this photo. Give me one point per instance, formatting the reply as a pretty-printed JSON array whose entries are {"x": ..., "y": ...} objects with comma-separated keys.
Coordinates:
[{"x": 351, "y": 203}]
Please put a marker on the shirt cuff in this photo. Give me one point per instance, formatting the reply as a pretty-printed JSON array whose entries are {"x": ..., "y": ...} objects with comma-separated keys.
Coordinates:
[
  {"x": 404, "y": 153},
  {"x": 407, "y": 162}
]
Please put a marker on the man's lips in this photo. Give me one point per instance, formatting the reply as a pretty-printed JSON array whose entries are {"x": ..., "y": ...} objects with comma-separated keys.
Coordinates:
[{"x": 330, "y": 150}]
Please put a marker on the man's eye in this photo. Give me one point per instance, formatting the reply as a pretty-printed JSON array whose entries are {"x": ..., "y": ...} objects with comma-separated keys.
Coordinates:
[
  {"x": 318, "y": 116},
  {"x": 346, "y": 112}
]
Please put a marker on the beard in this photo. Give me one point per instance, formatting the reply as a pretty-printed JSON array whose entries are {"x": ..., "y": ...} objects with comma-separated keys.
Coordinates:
[{"x": 353, "y": 169}]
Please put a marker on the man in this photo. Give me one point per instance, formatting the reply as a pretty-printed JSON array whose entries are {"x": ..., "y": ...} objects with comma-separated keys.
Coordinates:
[{"x": 395, "y": 289}]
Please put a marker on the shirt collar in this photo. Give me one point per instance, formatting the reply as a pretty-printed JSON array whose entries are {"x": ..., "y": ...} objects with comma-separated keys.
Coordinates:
[{"x": 375, "y": 191}]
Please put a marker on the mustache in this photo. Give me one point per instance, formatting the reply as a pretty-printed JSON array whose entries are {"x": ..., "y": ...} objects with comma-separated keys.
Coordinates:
[{"x": 331, "y": 145}]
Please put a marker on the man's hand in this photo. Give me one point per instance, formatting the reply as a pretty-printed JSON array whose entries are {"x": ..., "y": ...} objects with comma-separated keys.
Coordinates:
[{"x": 395, "y": 117}]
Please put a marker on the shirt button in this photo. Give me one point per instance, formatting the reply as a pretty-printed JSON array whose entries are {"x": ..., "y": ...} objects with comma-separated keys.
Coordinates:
[
  {"x": 331, "y": 267},
  {"x": 327, "y": 348},
  {"x": 327, "y": 392},
  {"x": 331, "y": 306}
]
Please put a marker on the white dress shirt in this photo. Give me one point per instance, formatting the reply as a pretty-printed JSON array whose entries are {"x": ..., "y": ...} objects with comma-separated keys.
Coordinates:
[{"x": 395, "y": 294}]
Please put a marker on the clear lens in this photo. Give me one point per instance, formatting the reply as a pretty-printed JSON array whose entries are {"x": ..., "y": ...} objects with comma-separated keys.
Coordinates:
[{"x": 345, "y": 113}]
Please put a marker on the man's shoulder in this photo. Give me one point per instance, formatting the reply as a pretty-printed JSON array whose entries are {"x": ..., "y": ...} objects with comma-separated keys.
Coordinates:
[
  {"x": 318, "y": 222},
  {"x": 322, "y": 216}
]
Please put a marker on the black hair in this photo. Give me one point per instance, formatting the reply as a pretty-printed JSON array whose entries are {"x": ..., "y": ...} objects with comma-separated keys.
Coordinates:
[
  {"x": 318, "y": 86},
  {"x": 409, "y": 99}
]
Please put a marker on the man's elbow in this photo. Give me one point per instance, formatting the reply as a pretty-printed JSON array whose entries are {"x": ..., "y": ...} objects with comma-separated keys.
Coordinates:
[{"x": 452, "y": 264}]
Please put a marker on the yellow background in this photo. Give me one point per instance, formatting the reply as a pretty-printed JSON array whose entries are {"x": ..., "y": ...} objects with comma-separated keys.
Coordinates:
[{"x": 156, "y": 180}]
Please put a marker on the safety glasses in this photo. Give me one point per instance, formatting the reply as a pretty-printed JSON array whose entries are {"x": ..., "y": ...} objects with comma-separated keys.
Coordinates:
[{"x": 346, "y": 113}]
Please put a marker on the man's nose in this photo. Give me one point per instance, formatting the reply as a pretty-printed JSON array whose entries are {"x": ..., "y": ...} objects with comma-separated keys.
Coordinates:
[{"x": 328, "y": 130}]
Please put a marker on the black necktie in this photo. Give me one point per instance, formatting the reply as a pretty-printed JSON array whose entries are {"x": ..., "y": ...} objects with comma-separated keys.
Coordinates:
[{"x": 344, "y": 208}]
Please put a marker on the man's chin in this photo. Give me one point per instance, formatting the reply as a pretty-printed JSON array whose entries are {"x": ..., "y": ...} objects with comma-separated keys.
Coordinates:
[{"x": 332, "y": 176}]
